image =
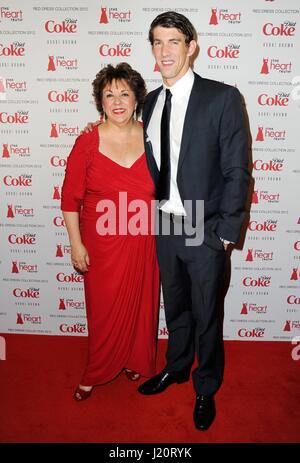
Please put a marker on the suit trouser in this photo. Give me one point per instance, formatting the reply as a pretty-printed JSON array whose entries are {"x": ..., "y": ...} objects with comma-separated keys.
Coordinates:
[{"x": 192, "y": 282}]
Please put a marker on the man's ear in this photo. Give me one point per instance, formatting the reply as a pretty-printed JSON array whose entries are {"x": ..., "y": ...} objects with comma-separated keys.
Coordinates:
[{"x": 192, "y": 47}]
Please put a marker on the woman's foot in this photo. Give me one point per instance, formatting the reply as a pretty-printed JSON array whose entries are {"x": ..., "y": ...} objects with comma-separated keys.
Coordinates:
[
  {"x": 82, "y": 392},
  {"x": 132, "y": 375}
]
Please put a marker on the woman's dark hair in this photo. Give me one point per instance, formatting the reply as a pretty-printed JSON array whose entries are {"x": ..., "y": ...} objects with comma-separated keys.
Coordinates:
[
  {"x": 123, "y": 71},
  {"x": 177, "y": 20}
]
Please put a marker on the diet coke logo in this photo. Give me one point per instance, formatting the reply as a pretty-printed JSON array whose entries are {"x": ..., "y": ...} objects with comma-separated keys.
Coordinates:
[
  {"x": 8, "y": 150},
  {"x": 258, "y": 254},
  {"x": 69, "y": 278},
  {"x": 280, "y": 99},
  {"x": 292, "y": 299},
  {"x": 259, "y": 196},
  {"x": 77, "y": 328},
  {"x": 67, "y": 26},
  {"x": 11, "y": 15},
  {"x": 270, "y": 65},
  {"x": 122, "y": 49},
  {"x": 261, "y": 282},
  {"x": 58, "y": 222},
  {"x": 63, "y": 129},
  {"x": 231, "y": 51},
  {"x": 25, "y": 239},
  {"x": 20, "y": 181},
  {"x": 266, "y": 226},
  {"x": 163, "y": 332},
  {"x": 251, "y": 333},
  {"x": 19, "y": 117},
  {"x": 285, "y": 29},
  {"x": 15, "y": 49},
  {"x": 66, "y": 96},
  {"x": 224, "y": 15},
  {"x": 270, "y": 133},
  {"x": 246, "y": 308},
  {"x": 30, "y": 293},
  {"x": 57, "y": 62},
  {"x": 297, "y": 246},
  {"x": 108, "y": 14},
  {"x": 12, "y": 211},
  {"x": 272, "y": 165},
  {"x": 57, "y": 161}
]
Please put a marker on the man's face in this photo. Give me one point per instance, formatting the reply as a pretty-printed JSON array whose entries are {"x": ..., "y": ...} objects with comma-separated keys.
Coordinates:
[{"x": 171, "y": 53}]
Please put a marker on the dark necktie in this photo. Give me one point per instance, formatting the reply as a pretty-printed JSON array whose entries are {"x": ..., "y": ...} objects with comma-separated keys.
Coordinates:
[{"x": 163, "y": 188}]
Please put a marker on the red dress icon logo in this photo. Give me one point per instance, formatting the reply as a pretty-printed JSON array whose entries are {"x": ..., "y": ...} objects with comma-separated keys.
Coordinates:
[
  {"x": 249, "y": 257},
  {"x": 56, "y": 194},
  {"x": 156, "y": 68},
  {"x": 2, "y": 86},
  {"x": 265, "y": 67},
  {"x": 103, "y": 16},
  {"x": 53, "y": 133},
  {"x": 213, "y": 18},
  {"x": 14, "y": 267},
  {"x": 62, "y": 305},
  {"x": 294, "y": 275},
  {"x": 287, "y": 326},
  {"x": 244, "y": 310},
  {"x": 10, "y": 213},
  {"x": 19, "y": 319},
  {"x": 51, "y": 65},
  {"x": 254, "y": 197},
  {"x": 260, "y": 134},
  {"x": 59, "y": 252},
  {"x": 5, "y": 152}
]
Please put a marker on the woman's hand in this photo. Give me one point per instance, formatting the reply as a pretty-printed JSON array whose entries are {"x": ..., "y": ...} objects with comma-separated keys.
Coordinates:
[
  {"x": 89, "y": 127},
  {"x": 79, "y": 257}
]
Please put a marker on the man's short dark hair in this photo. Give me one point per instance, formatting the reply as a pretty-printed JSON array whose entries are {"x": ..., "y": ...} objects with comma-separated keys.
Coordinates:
[{"x": 177, "y": 20}]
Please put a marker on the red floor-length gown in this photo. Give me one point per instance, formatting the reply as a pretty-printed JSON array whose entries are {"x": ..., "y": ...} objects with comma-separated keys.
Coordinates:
[{"x": 122, "y": 284}]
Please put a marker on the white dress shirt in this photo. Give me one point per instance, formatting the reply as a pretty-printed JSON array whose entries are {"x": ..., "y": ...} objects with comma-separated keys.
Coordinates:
[{"x": 181, "y": 91}]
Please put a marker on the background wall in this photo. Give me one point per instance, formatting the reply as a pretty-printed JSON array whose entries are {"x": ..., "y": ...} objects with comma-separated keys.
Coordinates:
[{"x": 50, "y": 52}]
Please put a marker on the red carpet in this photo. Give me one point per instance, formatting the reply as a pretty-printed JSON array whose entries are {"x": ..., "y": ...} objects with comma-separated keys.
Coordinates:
[{"x": 258, "y": 402}]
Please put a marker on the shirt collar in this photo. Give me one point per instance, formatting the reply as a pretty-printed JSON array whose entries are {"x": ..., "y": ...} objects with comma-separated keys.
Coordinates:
[{"x": 183, "y": 86}]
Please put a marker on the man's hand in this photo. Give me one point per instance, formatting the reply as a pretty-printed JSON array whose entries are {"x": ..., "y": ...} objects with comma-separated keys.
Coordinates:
[{"x": 89, "y": 127}]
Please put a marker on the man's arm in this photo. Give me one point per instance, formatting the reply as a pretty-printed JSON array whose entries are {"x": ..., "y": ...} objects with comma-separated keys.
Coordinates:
[{"x": 234, "y": 166}]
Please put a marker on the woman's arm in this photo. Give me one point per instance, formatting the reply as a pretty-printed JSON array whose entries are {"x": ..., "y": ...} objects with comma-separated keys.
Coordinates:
[{"x": 79, "y": 254}]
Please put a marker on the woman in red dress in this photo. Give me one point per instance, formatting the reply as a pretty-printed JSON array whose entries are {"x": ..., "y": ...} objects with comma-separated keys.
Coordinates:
[{"x": 107, "y": 206}]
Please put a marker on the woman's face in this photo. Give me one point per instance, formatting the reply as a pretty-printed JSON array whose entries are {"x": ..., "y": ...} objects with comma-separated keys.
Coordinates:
[{"x": 118, "y": 102}]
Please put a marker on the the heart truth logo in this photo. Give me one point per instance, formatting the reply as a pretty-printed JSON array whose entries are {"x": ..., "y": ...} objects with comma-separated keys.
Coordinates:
[
  {"x": 113, "y": 14},
  {"x": 223, "y": 15}
]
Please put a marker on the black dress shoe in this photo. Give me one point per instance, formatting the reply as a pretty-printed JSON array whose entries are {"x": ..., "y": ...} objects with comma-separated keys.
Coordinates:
[
  {"x": 204, "y": 412},
  {"x": 161, "y": 381}
]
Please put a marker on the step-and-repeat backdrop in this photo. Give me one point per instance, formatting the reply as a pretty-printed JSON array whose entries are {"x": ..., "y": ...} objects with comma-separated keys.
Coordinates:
[{"x": 50, "y": 51}]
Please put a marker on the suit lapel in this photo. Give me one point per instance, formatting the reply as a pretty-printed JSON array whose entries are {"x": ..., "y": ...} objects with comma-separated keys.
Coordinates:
[
  {"x": 147, "y": 113},
  {"x": 190, "y": 119},
  {"x": 149, "y": 106}
]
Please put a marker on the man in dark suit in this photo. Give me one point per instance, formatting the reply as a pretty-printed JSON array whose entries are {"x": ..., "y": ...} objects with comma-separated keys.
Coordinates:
[{"x": 196, "y": 147}]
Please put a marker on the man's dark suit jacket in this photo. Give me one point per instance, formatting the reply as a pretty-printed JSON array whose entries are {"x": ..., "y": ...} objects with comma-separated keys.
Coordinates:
[{"x": 213, "y": 157}]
